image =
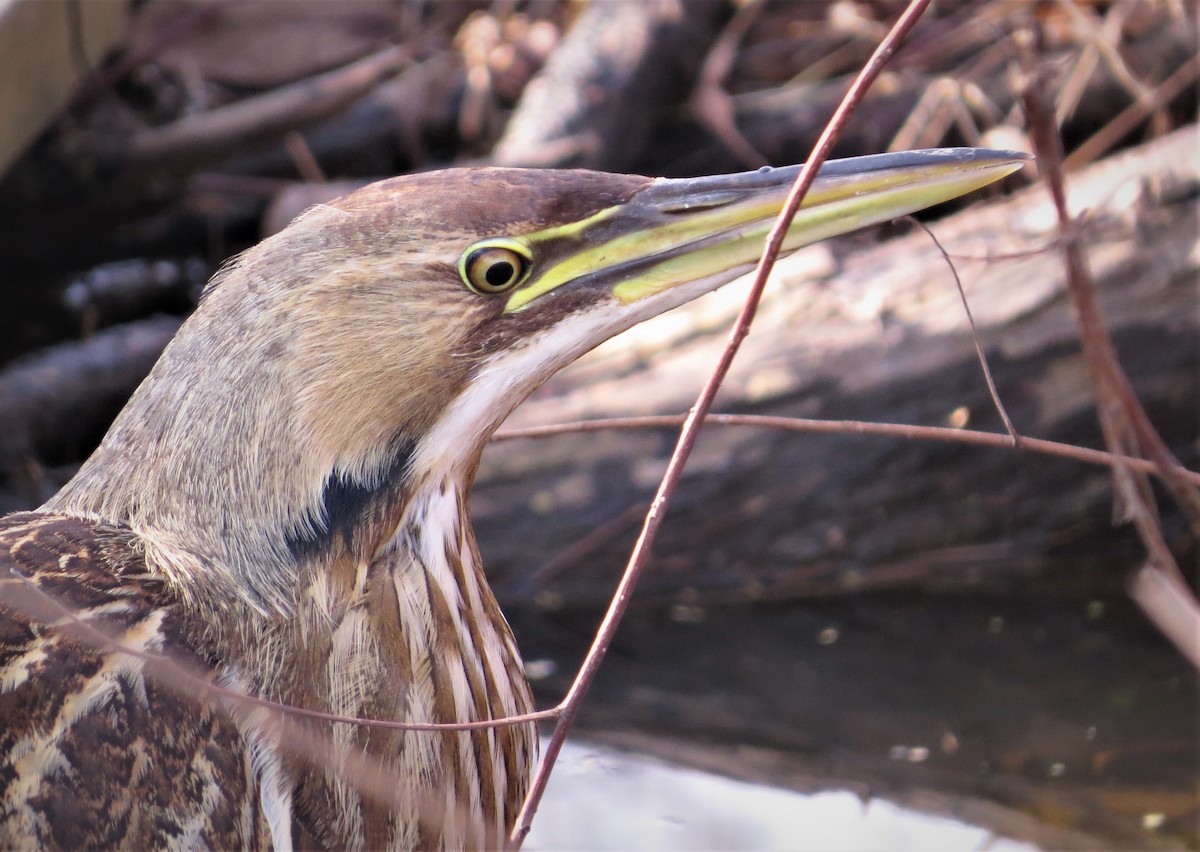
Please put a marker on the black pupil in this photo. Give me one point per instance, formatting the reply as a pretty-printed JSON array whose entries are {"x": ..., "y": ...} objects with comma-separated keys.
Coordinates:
[{"x": 499, "y": 273}]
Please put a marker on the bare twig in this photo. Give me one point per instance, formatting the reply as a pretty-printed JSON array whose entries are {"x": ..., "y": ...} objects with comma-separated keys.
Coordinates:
[
  {"x": 302, "y": 156},
  {"x": 696, "y": 414},
  {"x": 101, "y": 80},
  {"x": 600, "y": 535},
  {"x": 594, "y": 102},
  {"x": 1126, "y": 427},
  {"x": 1127, "y": 119},
  {"x": 711, "y": 103},
  {"x": 983, "y": 363},
  {"x": 1101, "y": 43},
  {"x": 857, "y": 427},
  {"x": 279, "y": 723}
]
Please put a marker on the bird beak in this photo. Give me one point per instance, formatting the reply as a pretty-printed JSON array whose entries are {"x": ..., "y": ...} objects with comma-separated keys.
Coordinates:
[{"x": 678, "y": 231}]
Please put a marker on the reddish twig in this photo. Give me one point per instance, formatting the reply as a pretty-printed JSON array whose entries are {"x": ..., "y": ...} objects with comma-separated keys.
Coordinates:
[
  {"x": 43, "y": 607},
  {"x": 696, "y": 415},
  {"x": 711, "y": 103},
  {"x": 276, "y": 722},
  {"x": 100, "y": 80},
  {"x": 1009, "y": 255},
  {"x": 1085, "y": 455},
  {"x": 306, "y": 163},
  {"x": 1126, "y": 427}
]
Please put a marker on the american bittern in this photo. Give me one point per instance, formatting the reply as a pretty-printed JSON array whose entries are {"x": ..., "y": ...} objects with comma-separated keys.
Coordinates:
[{"x": 283, "y": 501}]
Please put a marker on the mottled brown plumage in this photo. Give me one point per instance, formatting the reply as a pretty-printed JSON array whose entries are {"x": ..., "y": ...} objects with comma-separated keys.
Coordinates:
[
  {"x": 281, "y": 510},
  {"x": 83, "y": 779}
]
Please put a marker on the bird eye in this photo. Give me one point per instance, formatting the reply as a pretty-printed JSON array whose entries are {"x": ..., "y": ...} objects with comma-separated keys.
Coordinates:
[{"x": 494, "y": 267}]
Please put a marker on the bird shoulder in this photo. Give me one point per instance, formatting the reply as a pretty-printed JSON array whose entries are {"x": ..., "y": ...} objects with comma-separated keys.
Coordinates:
[{"x": 94, "y": 753}]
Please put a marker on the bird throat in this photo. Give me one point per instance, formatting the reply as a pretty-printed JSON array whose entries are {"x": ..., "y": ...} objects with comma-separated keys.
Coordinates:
[
  {"x": 411, "y": 634},
  {"x": 397, "y": 623}
]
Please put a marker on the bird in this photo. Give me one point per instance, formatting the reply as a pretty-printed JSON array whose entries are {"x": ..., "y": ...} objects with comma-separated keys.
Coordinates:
[{"x": 280, "y": 512}]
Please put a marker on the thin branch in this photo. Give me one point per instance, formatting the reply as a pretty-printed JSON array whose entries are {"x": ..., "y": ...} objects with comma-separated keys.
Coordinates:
[
  {"x": 1129, "y": 118},
  {"x": 711, "y": 103},
  {"x": 696, "y": 415},
  {"x": 1104, "y": 38},
  {"x": 601, "y": 535},
  {"x": 983, "y": 362},
  {"x": 1010, "y": 255},
  {"x": 372, "y": 778},
  {"x": 1085, "y": 455},
  {"x": 1160, "y": 589},
  {"x": 211, "y": 134},
  {"x": 1126, "y": 426}
]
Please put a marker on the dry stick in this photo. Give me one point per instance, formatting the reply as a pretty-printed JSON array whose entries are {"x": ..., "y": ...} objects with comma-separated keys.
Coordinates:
[
  {"x": 303, "y": 158},
  {"x": 1102, "y": 39},
  {"x": 103, "y": 79},
  {"x": 711, "y": 103},
  {"x": 983, "y": 363},
  {"x": 369, "y": 776},
  {"x": 41, "y": 606},
  {"x": 1130, "y": 117},
  {"x": 47, "y": 609},
  {"x": 576, "y": 552},
  {"x": 1169, "y": 604},
  {"x": 208, "y": 134},
  {"x": 1122, "y": 419},
  {"x": 695, "y": 417},
  {"x": 1085, "y": 455},
  {"x": 1006, "y": 255}
]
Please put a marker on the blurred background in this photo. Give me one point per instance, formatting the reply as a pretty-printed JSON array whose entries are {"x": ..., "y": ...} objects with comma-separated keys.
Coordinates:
[{"x": 898, "y": 627}]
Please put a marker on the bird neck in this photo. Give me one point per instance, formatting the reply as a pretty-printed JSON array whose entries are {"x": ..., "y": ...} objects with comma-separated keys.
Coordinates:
[
  {"x": 245, "y": 465},
  {"x": 413, "y": 635},
  {"x": 385, "y": 612}
]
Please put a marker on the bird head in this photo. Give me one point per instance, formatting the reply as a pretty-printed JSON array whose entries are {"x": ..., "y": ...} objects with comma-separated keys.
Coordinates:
[
  {"x": 440, "y": 301},
  {"x": 379, "y": 340}
]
